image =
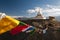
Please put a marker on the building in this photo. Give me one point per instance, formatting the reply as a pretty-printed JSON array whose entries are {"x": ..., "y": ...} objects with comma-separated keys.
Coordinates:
[{"x": 39, "y": 15}]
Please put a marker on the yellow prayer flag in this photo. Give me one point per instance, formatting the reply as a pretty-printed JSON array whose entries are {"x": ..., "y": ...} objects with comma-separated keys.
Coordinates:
[{"x": 7, "y": 23}]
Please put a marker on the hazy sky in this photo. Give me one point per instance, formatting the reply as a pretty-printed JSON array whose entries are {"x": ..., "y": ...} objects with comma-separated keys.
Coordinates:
[{"x": 28, "y": 7}]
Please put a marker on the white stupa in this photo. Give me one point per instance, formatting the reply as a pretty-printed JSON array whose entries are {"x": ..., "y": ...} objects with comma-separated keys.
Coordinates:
[{"x": 39, "y": 15}]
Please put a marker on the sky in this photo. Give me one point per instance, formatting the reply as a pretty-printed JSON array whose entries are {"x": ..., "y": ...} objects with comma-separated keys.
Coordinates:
[{"x": 29, "y": 8}]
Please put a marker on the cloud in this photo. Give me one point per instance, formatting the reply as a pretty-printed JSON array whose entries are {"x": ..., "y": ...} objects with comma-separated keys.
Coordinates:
[
  {"x": 49, "y": 10},
  {"x": 52, "y": 10},
  {"x": 31, "y": 11},
  {"x": 35, "y": 10}
]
